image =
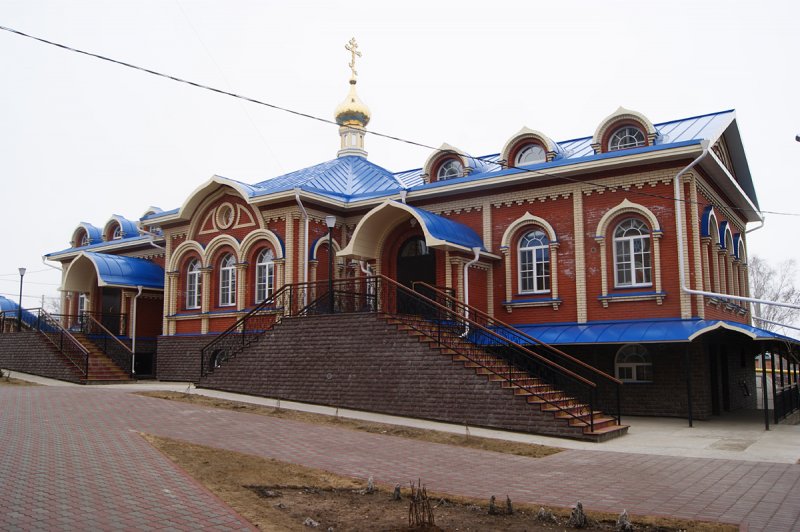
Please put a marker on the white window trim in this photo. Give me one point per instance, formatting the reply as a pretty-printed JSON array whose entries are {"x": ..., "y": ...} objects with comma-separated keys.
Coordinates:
[
  {"x": 625, "y": 207},
  {"x": 267, "y": 269},
  {"x": 194, "y": 278},
  {"x": 536, "y": 265},
  {"x": 629, "y": 243},
  {"x": 633, "y": 365},
  {"x": 230, "y": 284}
]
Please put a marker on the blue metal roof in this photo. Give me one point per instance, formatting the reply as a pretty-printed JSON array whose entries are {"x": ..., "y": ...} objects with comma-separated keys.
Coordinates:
[
  {"x": 11, "y": 307},
  {"x": 671, "y": 134},
  {"x": 346, "y": 178},
  {"x": 94, "y": 233},
  {"x": 351, "y": 178},
  {"x": 117, "y": 270},
  {"x": 446, "y": 229},
  {"x": 129, "y": 228},
  {"x": 640, "y": 331},
  {"x": 102, "y": 245}
]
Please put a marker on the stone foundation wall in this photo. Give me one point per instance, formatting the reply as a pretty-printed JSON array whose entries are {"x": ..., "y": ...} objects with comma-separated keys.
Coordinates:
[
  {"x": 178, "y": 357},
  {"x": 30, "y": 352},
  {"x": 359, "y": 361}
]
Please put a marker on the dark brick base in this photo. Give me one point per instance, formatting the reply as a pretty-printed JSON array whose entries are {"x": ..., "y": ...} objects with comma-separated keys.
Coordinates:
[
  {"x": 178, "y": 357},
  {"x": 359, "y": 361},
  {"x": 30, "y": 352}
]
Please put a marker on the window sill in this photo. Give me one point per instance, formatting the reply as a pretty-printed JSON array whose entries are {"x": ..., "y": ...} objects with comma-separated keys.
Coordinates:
[
  {"x": 532, "y": 302},
  {"x": 727, "y": 305},
  {"x": 658, "y": 297}
]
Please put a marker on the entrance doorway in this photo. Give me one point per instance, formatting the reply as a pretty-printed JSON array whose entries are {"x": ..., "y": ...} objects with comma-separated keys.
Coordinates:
[
  {"x": 111, "y": 309},
  {"x": 415, "y": 262}
]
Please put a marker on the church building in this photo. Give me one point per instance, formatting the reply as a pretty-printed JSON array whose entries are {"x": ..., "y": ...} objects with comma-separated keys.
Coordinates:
[{"x": 617, "y": 257}]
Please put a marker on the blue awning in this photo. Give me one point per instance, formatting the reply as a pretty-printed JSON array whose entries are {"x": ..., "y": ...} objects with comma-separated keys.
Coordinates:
[
  {"x": 439, "y": 231},
  {"x": 641, "y": 331},
  {"x": 129, "y": 272}
]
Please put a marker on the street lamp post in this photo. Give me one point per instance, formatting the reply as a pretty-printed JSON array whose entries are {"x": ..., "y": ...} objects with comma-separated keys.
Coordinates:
[
  {"x": 19, "y": 309},
  {"x": 330, "y": 221}
]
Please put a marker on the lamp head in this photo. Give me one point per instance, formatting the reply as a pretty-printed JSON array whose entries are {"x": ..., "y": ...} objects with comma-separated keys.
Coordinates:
[
  {"x": 22, "y": 272},
  {"x": 330, "y": 221}
]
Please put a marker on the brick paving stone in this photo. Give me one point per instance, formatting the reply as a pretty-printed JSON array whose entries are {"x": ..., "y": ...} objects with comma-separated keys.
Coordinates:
[{"x": 82, "y": 445}]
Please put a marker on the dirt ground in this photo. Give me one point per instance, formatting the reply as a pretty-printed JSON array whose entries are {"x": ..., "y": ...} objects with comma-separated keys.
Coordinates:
[
  {"x": 463, "y": 440},
  {"x": 275, "y": 495}
]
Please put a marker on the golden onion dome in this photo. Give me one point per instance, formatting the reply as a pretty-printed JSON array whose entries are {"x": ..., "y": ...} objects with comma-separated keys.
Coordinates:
[{"x": 352, "y": 111}]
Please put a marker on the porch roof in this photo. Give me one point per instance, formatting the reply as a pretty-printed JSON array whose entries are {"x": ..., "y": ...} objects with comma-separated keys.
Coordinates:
[
  {"x": 128, "y": 272},
  {"x": 642, "y": 331}
]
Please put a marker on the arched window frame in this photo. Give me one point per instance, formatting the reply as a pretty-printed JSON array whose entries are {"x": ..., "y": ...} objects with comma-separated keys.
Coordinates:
[
  {"x": 194, "y": 284},
  {"x": 509, "y": 244},
  {"x": 264, "y": 275},
  {"x": 533, "y": 262},
  {"x": 449, "y": 168},
  {"x": 116, "y": 233},
  {"x": 617, "y": 140},
  {"x": 526, "y": 148},
  {"x": 617, "y": 120},
  {"x": 633, "y": 363},
  {"x": 84, "y": 239},
  {"x": 633, "y": 246},
  {"x": 227, "y": 281},
  {"x": 604, "y": 232}
]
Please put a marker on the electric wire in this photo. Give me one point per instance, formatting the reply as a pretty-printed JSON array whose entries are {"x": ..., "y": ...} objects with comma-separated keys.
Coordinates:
[{"x": 486, "y": 159}]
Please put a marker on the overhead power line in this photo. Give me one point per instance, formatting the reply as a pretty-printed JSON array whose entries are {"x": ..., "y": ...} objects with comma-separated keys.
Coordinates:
[{"x": 372, "y": 132}]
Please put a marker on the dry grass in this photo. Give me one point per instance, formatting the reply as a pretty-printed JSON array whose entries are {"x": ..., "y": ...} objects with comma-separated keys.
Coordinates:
[
  {"x": 274, "y": 495},
  {"x": 7, "y": 380},
  {"x": 462, "y": 440}
]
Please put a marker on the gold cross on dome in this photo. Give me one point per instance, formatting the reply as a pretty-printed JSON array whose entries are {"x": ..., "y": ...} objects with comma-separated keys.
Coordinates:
[{"x": 352, "y": 47}]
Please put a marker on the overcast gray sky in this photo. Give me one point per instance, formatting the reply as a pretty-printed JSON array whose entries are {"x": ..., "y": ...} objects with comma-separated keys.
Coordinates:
[{"x": 82, "y": 139}]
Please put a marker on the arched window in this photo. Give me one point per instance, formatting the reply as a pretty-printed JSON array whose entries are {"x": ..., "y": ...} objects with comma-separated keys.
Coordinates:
[
  {"x": 193, "y": 285},
  {"x": 450, "y": 169},
  {"x": 227, "y": 281},
  {"x": 633, "y": 364},
  {"x": 265, "y": 275},
  {"x": 632, "y": 254},
  {"x": 117, "y": 234},
  {"x": 530, "y": 154},
  {"x": 626, "y": 137},
  {"x": 534, "y": 262},
  {"x": 84, "y": 239}
]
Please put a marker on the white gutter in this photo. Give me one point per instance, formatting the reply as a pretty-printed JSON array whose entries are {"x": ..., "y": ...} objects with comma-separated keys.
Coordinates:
[
  {"x": 304, "y": 254},
  {"x": 153, "y": 237},
  {"x": 679, "y": 221},
  {"x": 777, "y": 323},
  {"x": 477, "y": 252},
  {"x": 133, "y": 332},
  {"x": 44, "y": 261}
]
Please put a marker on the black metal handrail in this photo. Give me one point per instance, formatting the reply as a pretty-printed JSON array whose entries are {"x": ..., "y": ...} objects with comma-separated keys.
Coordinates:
[
  {"x": 523, "y": 338},
  {"x": 63, "y": 340},
  {"x": 568, "y": 393},
  {"x": 108, "y": 343},
  {"x": 300, "y": 299},
  {"x": 480, "y": 345}
]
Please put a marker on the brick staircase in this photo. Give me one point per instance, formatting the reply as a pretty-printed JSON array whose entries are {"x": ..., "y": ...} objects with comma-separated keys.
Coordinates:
[
  {"x": 377, "y": 363},
  {"x": 102, "y": 370},
  {"x": 564, "y": 408}
]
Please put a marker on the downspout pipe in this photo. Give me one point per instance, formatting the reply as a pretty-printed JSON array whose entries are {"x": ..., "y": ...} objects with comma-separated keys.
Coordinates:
[
  {"x": 477, "y": 252},
  {"x": 133, "y": 331},
  {"x": 679, "y": 221},
  {"x": 304, "y": 254}
]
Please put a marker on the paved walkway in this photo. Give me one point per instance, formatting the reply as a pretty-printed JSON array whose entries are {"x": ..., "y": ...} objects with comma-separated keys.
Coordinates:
[{"x": 72, "y": 458}]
